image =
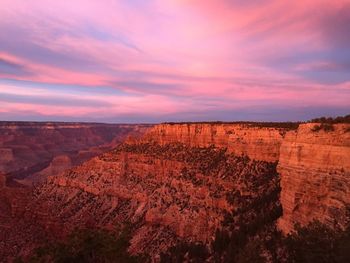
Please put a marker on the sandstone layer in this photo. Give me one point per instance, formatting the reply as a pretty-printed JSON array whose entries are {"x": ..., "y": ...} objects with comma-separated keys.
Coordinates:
[
  {"x": 315, "y": 176},
  {"x": 256, "y": 141}
]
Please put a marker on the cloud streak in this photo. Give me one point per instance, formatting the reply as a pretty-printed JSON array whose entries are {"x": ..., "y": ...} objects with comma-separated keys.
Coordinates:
[{"x": 160, "y": 60}]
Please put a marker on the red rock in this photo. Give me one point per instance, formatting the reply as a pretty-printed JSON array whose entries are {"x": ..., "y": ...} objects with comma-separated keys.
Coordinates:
[
  {"x": 172, "y": 185},
  {"x": 315, "y": 176}
]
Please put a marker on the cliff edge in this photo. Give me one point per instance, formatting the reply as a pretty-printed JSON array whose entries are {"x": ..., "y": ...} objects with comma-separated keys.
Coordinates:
[
  {"x": 255, "y": 141},
  {"x": 314, "y": 166}
]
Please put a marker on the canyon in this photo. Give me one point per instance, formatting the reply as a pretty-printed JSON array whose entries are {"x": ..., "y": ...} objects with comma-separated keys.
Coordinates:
[
  {"x": 30, "y": 151},
  {"x": 314, "y": 165},
  {"x": 187, "y": 183}
]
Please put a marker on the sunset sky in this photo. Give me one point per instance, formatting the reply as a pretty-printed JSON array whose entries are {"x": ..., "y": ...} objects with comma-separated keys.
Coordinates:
[{"x": 175, "y": 60}]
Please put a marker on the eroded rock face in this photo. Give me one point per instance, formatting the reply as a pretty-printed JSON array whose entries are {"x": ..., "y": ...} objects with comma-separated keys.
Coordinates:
[
  {"x": 259, "y": 143},
  {"x": 185, "y": 181},
  {"x": 26, "y": 148},
  {"x": 58, "y": 165},
  {"x": 167, "y": 192},
  {"x": 315, "y": 176},
  {"x": 13, "y": 203}
]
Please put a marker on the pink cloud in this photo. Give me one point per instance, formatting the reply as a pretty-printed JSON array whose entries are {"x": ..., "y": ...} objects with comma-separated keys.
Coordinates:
[{"x": 187, "y": 55}]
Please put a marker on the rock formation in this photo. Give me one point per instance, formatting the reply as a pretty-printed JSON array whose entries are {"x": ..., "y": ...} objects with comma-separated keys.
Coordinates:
[
  {"x": 183, "y": 182},
  {"x": 170, "y": 191},
  {"x": 28, "y": 148},
  {"x": 58, "y": 165},
  {"x": 13, "y": 203},
  {"x": 314, "y": 165},
  {"x": 256, "y": 141}
]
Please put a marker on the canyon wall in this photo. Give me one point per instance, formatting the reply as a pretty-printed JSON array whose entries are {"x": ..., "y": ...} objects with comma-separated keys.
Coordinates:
[
  {"x": 313, "y": 163},
  {"x": 31, "y": 149},
  {"x": 314, "y": 166},
  {"x": 253, "y": 140},
  {"x": 183, "y": 182},
  {"x": 170, "y": 191}
]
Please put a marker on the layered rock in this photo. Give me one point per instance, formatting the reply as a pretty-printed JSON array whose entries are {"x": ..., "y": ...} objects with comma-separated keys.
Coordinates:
[
  {"x": 168, "y": 192},
  {"x": 28, "y": 148},
  {"x": 314, "y": 165},
  {"x": 183, "y": 182},
  {"x": 58, "y": 165},
  {"x": 256, "y": 141}
]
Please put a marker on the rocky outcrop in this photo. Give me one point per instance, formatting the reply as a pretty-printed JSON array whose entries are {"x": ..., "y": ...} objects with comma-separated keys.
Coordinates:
[
  {"x": 314, "y": 165},
  {"x": 58, "y": 165},
  {"x": 259, "y": 142}
]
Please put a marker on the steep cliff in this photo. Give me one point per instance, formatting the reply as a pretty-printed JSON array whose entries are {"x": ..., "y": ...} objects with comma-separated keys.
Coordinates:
[
  {"x": 314, "y": 165},
  {"x": 256, "y": 141}
]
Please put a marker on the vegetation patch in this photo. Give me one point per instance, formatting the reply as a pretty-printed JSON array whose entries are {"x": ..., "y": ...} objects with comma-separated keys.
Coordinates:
[
  {"x": 329, "y": 120},
  {"x": 327, "y": 127},
  {"x": 87, "y": 245},
  {"x": 282, "y": 125}
]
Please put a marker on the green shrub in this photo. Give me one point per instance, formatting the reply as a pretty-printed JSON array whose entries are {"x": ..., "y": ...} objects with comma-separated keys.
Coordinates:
[
  {"x": 327, "y": 127},
  {"x": 339, "y": 119}
]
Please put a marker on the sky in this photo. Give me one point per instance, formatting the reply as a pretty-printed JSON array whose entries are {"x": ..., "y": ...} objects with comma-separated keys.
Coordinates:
[{"x": 176, "y": 60}]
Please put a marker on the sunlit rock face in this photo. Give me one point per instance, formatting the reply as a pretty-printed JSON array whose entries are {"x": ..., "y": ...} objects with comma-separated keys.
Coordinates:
[
  {"x": 315, "y": 175},
  {"x": 186, "y": 191},
  {"x": 252, "y": 140},
  {"x": 183, "y": 182},
  {"x": 169, "y": 191},
  {"x": 29, "y": 150}
]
